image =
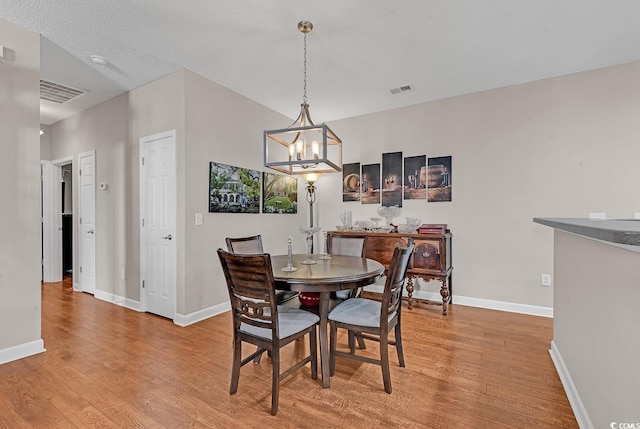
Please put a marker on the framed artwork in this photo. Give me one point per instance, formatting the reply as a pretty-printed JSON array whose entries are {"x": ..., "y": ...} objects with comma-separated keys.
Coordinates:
[
  {"x": 415, "y": 177},
  {"x": 279, "y": 193},
  {"x": 370, "y": 184},
  {"x": 351, "y": 182},
  {"x": 439, "y": 179},
  {"x": 233, "y": 189},
  {"x": 392, "y": 179}
]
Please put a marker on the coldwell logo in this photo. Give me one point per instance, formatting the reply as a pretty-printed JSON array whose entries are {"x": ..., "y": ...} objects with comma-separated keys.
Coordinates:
[{"x": 614, "y": 425}]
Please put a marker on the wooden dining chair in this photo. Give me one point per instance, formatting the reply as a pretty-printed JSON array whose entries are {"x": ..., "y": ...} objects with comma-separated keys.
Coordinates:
[
  {"x": 252, "y": 245},
  {"x": 374, "y": 320},
  {"x": 350, "y": 245},
  {"x": 258, "y": 320}
]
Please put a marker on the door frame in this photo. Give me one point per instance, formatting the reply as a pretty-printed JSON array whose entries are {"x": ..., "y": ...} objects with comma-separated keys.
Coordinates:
[{"x": 172, "y": 134}]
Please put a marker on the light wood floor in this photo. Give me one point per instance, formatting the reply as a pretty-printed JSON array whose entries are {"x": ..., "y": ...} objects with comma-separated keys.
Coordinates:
[{"x": 110, "y": 367}]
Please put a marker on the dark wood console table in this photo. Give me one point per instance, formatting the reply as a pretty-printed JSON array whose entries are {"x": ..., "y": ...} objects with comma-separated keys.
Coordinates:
[{"x": 431, "y": 258}]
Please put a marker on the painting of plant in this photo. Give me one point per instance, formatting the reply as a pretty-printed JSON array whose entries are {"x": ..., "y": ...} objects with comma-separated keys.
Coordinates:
[
  {"x": 279, "y": 193},
  {"x": 233, "y": 189}
]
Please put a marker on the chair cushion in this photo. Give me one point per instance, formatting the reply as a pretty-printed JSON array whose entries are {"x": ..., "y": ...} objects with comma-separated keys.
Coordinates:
[
  {"x": 358, "y": 311},
  {"x": 290, "y": 321}
]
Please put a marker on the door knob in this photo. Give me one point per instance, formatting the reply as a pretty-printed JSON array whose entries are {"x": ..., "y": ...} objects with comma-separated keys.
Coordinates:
[
  {"x": 167, "y": 237},
  {"x": 90, "y": 231}
]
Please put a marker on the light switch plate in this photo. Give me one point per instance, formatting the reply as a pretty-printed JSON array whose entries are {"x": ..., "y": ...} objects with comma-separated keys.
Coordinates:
[
  {"x": 545, "y": 279},
  {"x": 198, "y": 219}
]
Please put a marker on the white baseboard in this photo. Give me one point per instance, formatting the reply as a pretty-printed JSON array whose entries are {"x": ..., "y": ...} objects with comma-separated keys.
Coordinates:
[
  {"x": 512, "y": 307},
  {"x": 118, "y": 300},
  {"x": 179, "y": 319},
  {"x": 582, "y": 417},
  {"x": 21, "y": 351},
  {"x": 133, "y": 305},
  {"x": 477, "y": 302},
  {"x": 191, "y": 318}
]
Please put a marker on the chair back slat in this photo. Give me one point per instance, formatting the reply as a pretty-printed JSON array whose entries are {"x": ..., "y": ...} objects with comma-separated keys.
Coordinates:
[
  {"x": 352, "y": 245},
  {"x": 392, "y": 295},
  {"x": 245, "y": 245}
]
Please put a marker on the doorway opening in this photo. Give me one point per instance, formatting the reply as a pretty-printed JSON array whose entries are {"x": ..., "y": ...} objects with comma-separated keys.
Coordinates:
[{"x": 66, "y": 198}]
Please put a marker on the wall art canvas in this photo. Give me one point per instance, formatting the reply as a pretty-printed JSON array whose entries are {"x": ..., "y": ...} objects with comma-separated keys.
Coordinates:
[
  {"x": 392, "y": 179},
  {"x": 370, "y": 184},
  {"x": 415, "y": 177},
  {"x": 233, "y": 189},
  {"x": 351, "y": 182},
  {"x": 279, "y": 193},
  {"x": 439, "y": 179}
]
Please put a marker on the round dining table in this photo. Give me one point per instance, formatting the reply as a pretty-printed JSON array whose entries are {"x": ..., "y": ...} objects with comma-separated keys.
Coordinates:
[{"x": 325, "y": 276}]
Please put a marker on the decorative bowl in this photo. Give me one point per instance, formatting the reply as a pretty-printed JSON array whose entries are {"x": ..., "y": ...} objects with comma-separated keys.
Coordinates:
[{"x": 309, "y": 299}]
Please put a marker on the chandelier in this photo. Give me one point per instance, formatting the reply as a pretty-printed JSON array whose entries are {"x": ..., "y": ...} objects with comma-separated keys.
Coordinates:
[{"x": 303, "y": 147}]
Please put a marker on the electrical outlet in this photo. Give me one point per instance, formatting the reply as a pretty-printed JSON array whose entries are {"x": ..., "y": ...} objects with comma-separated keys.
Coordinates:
[
  {"x": 636, "y": 216},
  {"x": 545, "y": 279},
  {"x": 198, "y": 219},
  {"x": 597, "y": 215}
]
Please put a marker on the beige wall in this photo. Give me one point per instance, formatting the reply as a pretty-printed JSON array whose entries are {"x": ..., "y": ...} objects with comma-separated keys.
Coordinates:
[
  {"x": 212, "y": 124},
  {"x": 154, "y": 108},
  {"x": 595, "y": 328},
  {"x": 105, "y": 129},
  {"x": 561, "y": 147},
  {"x": 225, "y": 127},
  {"x": 45, "y": 154},
  {"x": 20, "y": 269}
]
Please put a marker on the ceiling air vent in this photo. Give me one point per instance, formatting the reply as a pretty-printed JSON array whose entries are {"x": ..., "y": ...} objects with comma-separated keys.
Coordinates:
[
  {"x": 400, "y": 89},
  {"x": 57, "y": 93}
]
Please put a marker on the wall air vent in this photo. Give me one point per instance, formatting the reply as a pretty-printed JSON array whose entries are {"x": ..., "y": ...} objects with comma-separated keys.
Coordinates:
[
  {"x": 51, "y": 91},
  {"x": 400, "y": 89}
]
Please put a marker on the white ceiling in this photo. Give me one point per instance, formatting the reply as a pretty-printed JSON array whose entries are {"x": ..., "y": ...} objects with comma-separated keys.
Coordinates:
[{"x": 357, "y": 52}]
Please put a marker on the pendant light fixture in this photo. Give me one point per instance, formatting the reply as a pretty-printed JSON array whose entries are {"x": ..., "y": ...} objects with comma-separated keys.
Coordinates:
[{"x": 303, "y": 148}]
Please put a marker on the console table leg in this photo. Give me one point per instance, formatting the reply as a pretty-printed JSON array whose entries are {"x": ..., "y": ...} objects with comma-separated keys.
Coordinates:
[
  {"x": 410, "y": 289},
  {"x": 444, "y": 292}
]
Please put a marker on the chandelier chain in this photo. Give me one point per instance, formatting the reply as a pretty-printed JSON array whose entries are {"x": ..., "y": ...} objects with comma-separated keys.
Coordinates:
[{"x": 304, "y": 97}]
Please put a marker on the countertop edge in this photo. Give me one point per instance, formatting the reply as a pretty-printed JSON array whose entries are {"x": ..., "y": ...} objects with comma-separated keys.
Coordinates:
[{"x": 626, "y": 232}]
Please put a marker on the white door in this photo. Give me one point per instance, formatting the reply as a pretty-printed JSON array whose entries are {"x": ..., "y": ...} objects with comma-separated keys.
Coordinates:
[
  {"x": 87, "y": 221},
  {"x": 158, "y": 259}
]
